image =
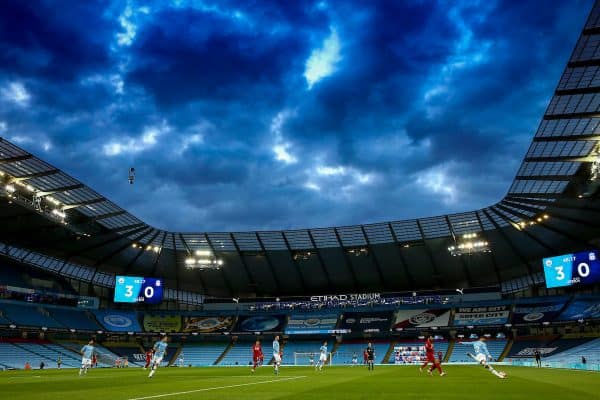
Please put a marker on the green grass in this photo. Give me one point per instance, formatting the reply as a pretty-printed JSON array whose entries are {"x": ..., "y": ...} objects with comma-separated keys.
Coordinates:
[{"x": 343, "y": 383}]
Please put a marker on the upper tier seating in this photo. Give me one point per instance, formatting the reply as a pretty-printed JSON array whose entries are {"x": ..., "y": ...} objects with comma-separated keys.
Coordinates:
[
  {"x": 28, "y": 315},
  {"x": 73, "y": 318}
]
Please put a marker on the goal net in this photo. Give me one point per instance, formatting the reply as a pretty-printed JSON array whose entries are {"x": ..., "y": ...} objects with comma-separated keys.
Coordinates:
[{"x": 311, "y": 359}]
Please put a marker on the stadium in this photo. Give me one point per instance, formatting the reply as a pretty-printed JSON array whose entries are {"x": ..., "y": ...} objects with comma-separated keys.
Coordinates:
[{"x": 352, "y": 311}]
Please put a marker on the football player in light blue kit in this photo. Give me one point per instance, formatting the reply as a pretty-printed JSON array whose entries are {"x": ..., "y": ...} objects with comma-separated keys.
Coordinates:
[
  {"x": 160, "y": 350},
  {"x": 482, "y": 355},
  {"x": 87, "y": 353},
  {"x": 276, "y": 355},
  {"x": 322, "y": 356}
]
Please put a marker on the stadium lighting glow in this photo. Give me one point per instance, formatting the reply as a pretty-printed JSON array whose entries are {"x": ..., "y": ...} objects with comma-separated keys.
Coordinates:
[
  {"x": 12, "y": 326},
  {"x": 30, "y": 188},
  {"x": 53, "y": 200},
  {"x": 59, "y": 213},
  {"x": 156, "y": 249},
  {"x": 467, "y": 246},
  {"x": 10, "y": 188},
  {"x": 203, "y": 253},
  {"x": 134, "y": 245},
  {"x": 190, "y": 261}
]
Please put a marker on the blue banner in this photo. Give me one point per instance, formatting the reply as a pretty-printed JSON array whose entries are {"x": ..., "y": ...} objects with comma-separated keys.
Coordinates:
[
  {"x": 536, "y": 312},
  {"x": 118, "y": 321},
  {"x": 310, "y": 324},
  {"x": 581, "y": 309},
  {"x": 260, "y": 323}
]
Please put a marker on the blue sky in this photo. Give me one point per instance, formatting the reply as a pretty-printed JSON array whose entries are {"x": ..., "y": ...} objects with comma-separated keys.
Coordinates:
[{"x": 245, "y": 115}]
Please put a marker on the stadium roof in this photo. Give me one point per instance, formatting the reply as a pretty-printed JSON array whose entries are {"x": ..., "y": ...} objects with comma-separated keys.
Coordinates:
[{"x": 551, "y": 208}]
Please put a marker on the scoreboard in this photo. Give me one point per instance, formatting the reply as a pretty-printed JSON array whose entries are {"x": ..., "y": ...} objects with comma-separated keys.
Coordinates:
[
  {"x": 572, "y": 269},
  {"x": 136, "y": 289}
]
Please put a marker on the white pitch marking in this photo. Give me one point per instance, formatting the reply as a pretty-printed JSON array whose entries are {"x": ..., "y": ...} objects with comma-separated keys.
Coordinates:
[{"x": 216, "y": 388}]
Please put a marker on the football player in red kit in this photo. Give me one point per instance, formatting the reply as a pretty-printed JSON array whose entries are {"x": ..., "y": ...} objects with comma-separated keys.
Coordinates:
[
  {"x": 257, "y": 355},
  {"x": 148, "y": 358},
  {"x": 430, "y": 357}
]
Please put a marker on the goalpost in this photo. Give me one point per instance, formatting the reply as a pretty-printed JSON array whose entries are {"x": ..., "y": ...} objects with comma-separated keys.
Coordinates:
[{"x": 303, "y": 358}]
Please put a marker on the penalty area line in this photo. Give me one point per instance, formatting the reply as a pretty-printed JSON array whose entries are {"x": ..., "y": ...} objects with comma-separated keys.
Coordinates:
[{"x": 156, "y": 396}]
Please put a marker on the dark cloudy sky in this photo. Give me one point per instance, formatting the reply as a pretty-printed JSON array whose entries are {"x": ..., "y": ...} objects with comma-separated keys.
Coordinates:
[{"x": 283, "y": 114}]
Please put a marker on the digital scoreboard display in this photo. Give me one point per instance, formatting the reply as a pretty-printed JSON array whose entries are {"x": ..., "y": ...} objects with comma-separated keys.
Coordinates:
[
  {"x": 136, "y": 289},
  {"x": 572, "y": 269}
]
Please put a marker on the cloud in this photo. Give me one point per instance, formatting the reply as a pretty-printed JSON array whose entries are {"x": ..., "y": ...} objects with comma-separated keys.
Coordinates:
[
  {"x": 415, "y": 108},
  {"x": 16, "y": 93},
  {"x": 322, "y": 61},
  {"x": 437, "y": 180},
  {"x": 281, "y": 147},
  {"x": 147, "y": 140}
]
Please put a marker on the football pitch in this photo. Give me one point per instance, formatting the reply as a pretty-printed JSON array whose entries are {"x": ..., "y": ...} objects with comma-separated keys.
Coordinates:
[{"x": 343, "y": 383}]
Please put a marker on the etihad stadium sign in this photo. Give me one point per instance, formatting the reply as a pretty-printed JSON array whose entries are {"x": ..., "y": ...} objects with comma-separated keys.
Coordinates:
[{"x": 347, "y": 297}]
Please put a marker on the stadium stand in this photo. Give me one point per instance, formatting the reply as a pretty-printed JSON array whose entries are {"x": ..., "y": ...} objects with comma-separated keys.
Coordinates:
[
  {"x": 590, "y": 350},
  {"x": 459, "y": 353},
  {"x": 293, "y": 346},
  {"x": 240, "y": 353},
  {"x": 23, "y": 314},
  {"x": 74, "y": 319},
  {"x": 440, "y": 346},
  {"x": 201, "y": 355},
  {"x": 345, "y": 351}
]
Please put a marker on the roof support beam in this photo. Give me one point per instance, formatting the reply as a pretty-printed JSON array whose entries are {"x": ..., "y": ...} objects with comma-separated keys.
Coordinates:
[
  {"x": 243, "y": 261},
  {"x": 223, "y": 274},
  {"x": 461, "y": 259},
  {"x": 411, "y": 279},
  {"x": 269, "y": 263},
  {"x": 141, "y": 250},
  {"x": 190, "y": 253},
  {"x": 83, "y": 203},
  {"x": 490, "y": 253},
  {"x": 108, "y": 215},
  {"x": 319, "y": 257},
  {"x": 295, "y": 262},
  {"x": 176, "y": 263},
  {"x": 160, "y": 251},
  {"x": 60, "y": 189},
  {"x": 382, "y": 279},
  {"x": 525, "y": 231},
  {"x": 501, "y": 232},
  {"x": 22, "y": 178},
  {"x": 10, "y": 160},
  {"x": 436, "y": 271},
  {"x": 347, "y": 259}
]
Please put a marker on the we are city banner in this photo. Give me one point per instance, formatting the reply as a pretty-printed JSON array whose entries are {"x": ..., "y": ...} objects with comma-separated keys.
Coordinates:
[
  {"x": 581, "y": 309},
  {"x": 366, "y": 322},
  {"x": 490, "y": 315},
  {"x": 421, "y": 318},
  {"x": 536, "y": 312},
  {"x": 208, "y": 324},
  {"x": 162, "y": 323},
  {"x": 311, "y": 324}
]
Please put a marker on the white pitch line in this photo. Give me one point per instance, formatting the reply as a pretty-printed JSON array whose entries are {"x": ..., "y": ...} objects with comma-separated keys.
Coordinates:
[{"x": 216, "y": 388}]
